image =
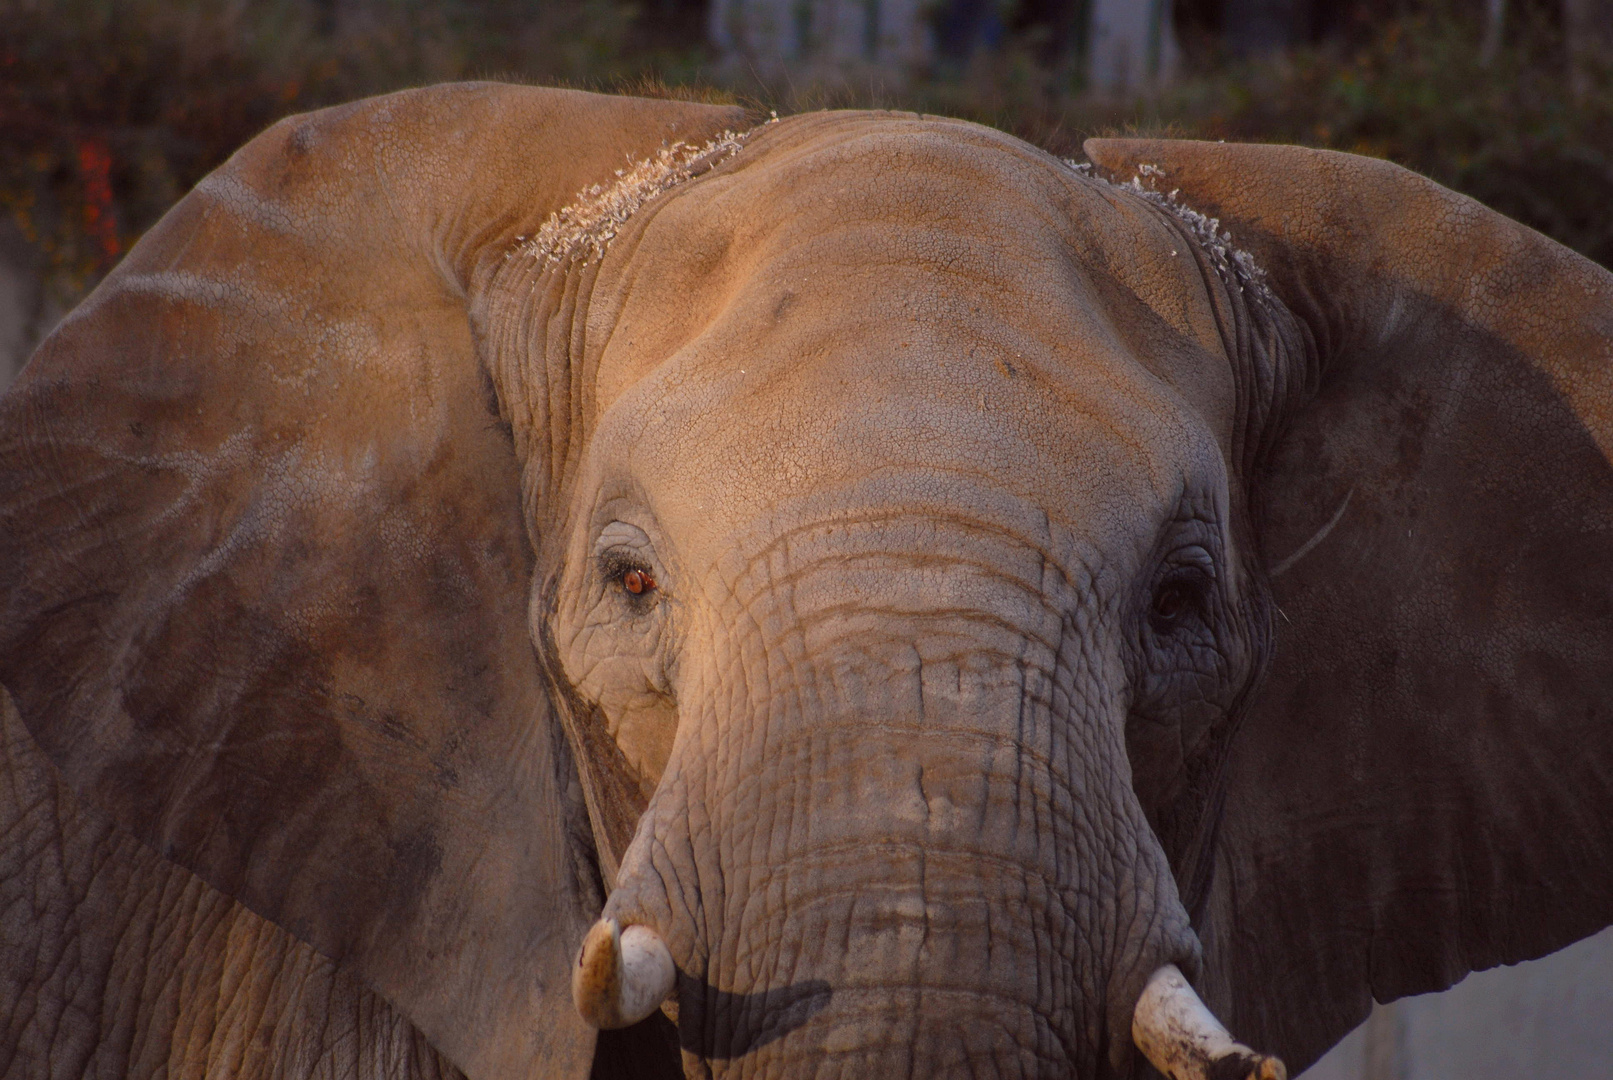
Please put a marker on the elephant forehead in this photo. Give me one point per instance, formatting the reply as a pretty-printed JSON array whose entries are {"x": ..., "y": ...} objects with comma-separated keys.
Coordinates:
[
  {"x": 842, "y": 227},
  {"x": 945, "y": 317},
  {"x": 1061, "y": 445},
  {"x": 877, "y": 432}
]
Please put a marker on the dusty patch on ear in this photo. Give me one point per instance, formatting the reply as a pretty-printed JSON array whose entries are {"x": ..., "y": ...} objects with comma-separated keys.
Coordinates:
[
  {"x": 1235, "y": 266},
  {"x": 583, "y": 228},
  {"x": 1276, "y": 364}
]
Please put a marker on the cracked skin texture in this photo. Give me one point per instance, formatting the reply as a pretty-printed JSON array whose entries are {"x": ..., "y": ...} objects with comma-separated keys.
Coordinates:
[
  {"x": 418, "y": 819},
  {"x": 121, "y": 963},
  {"x": 1439, "y": 675},
  {"x": 301, "y": 595}
]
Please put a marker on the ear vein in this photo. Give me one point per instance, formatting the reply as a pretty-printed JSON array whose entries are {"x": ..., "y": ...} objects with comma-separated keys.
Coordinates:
[{"x": 1321, "y": 534}]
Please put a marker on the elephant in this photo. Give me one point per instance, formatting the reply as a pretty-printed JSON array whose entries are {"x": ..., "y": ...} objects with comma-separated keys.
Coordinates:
[{"x": 518, "y": 582}]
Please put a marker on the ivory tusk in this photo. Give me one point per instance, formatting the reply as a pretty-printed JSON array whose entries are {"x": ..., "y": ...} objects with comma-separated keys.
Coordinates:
[
  {"x": 1183, "y": 1040},
  {"x": 621, "y": 976}
]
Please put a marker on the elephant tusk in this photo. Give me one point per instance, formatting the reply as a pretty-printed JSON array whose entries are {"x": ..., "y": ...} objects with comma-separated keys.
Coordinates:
[
  {"x": 621, "y": 976},
  {"x": 1183, "y": 1040}
]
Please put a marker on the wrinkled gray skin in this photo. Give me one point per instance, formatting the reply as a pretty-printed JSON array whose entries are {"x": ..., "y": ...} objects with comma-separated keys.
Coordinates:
[
  {"x": 903, "y": 614},
  {"x": 959, "y": 476}
]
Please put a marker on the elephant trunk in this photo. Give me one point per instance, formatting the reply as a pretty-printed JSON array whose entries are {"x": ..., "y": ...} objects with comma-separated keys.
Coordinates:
[
  {"x": 622, "y": 977},
  {"x": 902, "y": 836},
  {"x": 906, "y": 886}
]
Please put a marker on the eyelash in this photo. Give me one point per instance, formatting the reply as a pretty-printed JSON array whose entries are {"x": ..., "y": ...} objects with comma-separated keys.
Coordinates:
[
  {"x": 637, "y": 582},
  {"x": 1175, "y": 598},
  {"x": 624, "y": 573}
]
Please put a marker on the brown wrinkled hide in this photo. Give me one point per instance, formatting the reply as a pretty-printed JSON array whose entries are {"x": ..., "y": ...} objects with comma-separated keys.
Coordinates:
[
  {"x": 1423, "y": 787},
  {"x": 123, "y": 964},
  {"x": 928, "y": 587},
  {"x": 926, "y": 394},
  {"x": 265, "y": 560}
]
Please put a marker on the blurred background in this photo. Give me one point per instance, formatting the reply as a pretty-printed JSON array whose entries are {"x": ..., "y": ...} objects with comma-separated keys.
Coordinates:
[{"x": 111, "y": 109}]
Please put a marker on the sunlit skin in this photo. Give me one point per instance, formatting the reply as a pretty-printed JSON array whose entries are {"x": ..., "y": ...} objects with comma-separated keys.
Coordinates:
[{"x": 497, "y": 569}]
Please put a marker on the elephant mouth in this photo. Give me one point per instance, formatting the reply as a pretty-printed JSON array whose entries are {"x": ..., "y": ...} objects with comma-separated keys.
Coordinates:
[{"x": 622, "y": 976}]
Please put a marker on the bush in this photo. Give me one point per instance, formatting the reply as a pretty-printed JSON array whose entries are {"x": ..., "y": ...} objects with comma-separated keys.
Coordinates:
[
  {"x": 1518, "y": 133},
  {"x": 111, "y": 109},
  {"x": 1522, "y": 132}
]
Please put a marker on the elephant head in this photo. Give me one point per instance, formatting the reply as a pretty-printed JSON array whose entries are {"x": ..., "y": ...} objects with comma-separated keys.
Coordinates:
[{"x": 902, "y": 600}]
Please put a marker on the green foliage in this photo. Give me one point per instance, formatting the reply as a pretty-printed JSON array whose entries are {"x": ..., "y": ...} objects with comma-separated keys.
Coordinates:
[
  {"x": 110, "y": 109},
  {"x": 108, "y": 113},
  {"x": 1528, "y": 133}
]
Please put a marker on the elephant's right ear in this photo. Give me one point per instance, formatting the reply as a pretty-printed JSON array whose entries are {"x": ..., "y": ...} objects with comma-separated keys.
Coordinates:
[
  {"x": 265, "y": 565},
  {"x": 1424, "y": 784}
]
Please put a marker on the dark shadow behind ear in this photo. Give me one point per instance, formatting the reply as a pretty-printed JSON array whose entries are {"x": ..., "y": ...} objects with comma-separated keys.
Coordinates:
[
  {"x": 264, "y": 567},
  {"x": 1424, "y": 784}
]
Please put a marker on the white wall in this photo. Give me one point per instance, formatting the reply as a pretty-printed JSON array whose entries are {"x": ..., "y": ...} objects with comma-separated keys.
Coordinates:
[
  {"x": 1551, "y": 1017},
  {"x": 766, "y": 36},
  {"x": 1132, "y": 44},
  {"x": 1131, "y": 41}
]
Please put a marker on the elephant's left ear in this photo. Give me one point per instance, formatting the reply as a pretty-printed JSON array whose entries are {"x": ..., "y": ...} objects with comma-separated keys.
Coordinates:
[
  {"x": 265, "y": 562},
  {"x": 1424, "y": 785}
]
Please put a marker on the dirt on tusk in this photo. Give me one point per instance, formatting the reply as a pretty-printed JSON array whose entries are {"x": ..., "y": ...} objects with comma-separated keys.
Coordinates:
[
  {"x": 1183, "y": 1040},
  {"x": 621, "y": 976}
]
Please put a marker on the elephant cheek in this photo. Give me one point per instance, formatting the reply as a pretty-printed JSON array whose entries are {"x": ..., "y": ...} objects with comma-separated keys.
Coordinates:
[{"x": 644, "y": 730}]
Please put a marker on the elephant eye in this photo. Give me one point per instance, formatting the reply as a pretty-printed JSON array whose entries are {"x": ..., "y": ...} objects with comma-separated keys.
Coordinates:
[
  {"x": 1173, "y": 601},
  {"x": 637, "y": 582}
]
